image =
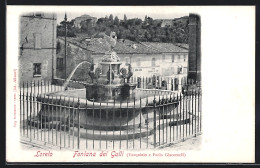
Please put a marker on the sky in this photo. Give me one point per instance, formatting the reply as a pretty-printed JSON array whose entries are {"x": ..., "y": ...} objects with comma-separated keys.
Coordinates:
[{"x": 155, "y": 12}]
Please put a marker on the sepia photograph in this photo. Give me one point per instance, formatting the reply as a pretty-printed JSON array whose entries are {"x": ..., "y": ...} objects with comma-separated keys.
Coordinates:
[{"x": 113, "y": 84}]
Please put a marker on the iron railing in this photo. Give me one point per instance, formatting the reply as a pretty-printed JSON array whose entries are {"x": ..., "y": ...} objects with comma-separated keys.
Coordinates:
[
  {"x": 157, "y": 118},
  {"x": 161, "y": 83}
]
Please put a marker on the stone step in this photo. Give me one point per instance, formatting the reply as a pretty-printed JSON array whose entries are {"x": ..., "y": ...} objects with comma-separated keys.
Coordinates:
[{"x": 111, "y": 135}]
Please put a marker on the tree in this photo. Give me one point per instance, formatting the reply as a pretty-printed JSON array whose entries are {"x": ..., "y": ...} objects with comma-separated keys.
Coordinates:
[
  {"x": 138, "y": 21},
  {"x": 111, "y": 18},
  {"x": 150, "y": 20},
  {"x": 125, "y": 18},
  {"x": 116, "y": 21},
  {"x": 132, "y": 29}
]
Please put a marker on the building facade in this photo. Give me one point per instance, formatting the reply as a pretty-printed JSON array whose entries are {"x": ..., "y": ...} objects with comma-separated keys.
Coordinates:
[
  {"x": 147, "y": 59},
  {"x": 37, "y": 46},
  {"x": 173, "y": 59},
  {"x": 78, "y": 20}
]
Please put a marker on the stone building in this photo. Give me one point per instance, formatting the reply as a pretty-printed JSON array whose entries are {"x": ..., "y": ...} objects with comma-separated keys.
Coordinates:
[
  {"x": 37, "y": 46},
  {"x": 173, "y": 59},
  {"x": 78, "y": 20},
  {"x": 146, "y": 58},
  {"x": 76, "y": 53}
]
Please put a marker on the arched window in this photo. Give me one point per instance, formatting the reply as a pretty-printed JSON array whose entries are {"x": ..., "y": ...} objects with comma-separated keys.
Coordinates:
[
  {"x": 153, "y": 62},
  {"x": 179, "y": 69},
  {"x": 163, "y": 58}
]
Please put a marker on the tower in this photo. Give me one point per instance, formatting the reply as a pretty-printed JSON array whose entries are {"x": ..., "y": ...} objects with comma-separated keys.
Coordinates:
[{"x": 194, "y": 61}]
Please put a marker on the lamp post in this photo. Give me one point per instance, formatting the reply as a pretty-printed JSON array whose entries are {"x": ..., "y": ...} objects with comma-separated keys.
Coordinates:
[{"x": 65, "y": 60}]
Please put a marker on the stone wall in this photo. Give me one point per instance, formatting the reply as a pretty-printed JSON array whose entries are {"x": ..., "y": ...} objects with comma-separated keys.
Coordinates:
[
  {"x": 37, "y": 44},
  {"x": 44, "y": 57},
  {"x": 75, "y": 55}
]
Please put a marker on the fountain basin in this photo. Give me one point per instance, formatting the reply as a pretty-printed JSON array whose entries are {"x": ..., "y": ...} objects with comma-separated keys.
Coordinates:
[
  {"x": 71, "y": 107},
  {"x": 119, "y": 92}
]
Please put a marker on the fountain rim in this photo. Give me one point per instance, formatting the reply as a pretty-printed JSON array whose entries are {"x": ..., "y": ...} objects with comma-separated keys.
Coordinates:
[
  {"x": 138, "y": 103},
  {"x": 109, "y": 63}
]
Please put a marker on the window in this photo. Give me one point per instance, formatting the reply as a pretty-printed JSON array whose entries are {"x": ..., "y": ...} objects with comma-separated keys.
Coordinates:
[
  {"x": 59, "y": 63},
  {"x": 172, "y": 58},
  {"x": 153, "y": 61},
  {"x": 127, "y": 60},
  {"x": 163, "y": 58},
  {"x": 179, "y": 70},
  {"x": 138, "y": 62},
  {"x": 37, "y": 69},
  {"x": 37, "y": 40},
  {"x": 184, "y": 58},
  {"x": 184, "y": 70}
]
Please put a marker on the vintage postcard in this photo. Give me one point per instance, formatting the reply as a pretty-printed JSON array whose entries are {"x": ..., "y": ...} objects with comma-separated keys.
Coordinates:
[{"x": 142, "y": 84}]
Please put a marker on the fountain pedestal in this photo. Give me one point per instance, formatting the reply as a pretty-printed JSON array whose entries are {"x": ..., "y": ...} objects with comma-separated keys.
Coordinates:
[{"x": 110, "y": 84}]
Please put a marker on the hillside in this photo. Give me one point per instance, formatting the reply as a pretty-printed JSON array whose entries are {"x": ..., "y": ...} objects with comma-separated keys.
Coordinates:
[{"x": 147, "y": 30}]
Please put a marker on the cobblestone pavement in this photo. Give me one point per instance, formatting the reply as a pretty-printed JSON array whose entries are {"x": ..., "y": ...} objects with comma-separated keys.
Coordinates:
[{"x": 193, "y": 143}]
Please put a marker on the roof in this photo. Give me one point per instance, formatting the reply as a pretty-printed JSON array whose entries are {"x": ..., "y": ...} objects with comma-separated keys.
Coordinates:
[
  {"x": 85, "y": 16},
  {"x": 101, "y": 46},
  {"x": 124, "y": 46},
  {"x": 183, "y": 45},
  {"x": 165, "y": 47},
  {"x": 75, "y": 41}
]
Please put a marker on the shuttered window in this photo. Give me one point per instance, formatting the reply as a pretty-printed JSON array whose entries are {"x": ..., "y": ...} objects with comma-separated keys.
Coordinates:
[
  {"x": 172, "y": 58},
  {"x": 153, "y": 62}
]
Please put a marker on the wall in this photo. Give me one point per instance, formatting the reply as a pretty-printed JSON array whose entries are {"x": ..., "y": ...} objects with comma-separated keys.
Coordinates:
[
  {"x": 37, "y": 44},
  {"x": 75, "y": 55},
  {"x": 142, "y": 64},
  {"x": 170, "y": 69},
  {"x": 30, "y": 57},
  {"x": 144, "y": 67}
]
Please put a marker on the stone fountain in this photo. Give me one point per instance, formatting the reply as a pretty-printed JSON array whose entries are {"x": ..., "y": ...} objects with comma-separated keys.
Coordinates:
[{"x": 108, "y": 102}]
